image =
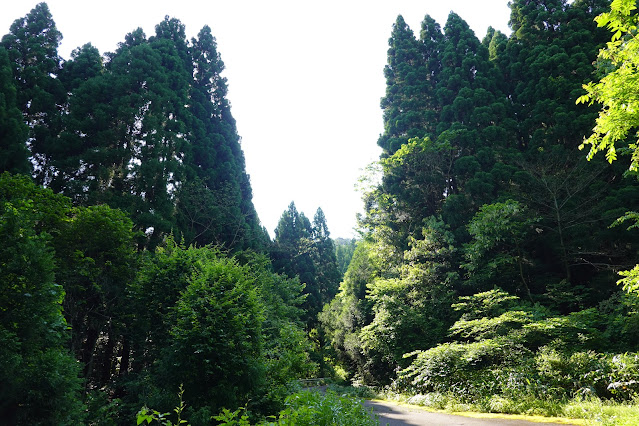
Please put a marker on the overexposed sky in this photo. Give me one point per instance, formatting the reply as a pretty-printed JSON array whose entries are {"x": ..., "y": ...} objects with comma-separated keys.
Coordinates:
[{"x": 305, "y": 80}]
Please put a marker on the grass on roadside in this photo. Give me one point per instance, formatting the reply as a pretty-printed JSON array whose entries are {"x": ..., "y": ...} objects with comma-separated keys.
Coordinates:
[{"x": 589, "y": 411}]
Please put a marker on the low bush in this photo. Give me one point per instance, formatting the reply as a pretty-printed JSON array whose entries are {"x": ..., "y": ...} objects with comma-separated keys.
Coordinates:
[
  {"x": 302, "y": 408},
  {"x": 466, "y": 369}
]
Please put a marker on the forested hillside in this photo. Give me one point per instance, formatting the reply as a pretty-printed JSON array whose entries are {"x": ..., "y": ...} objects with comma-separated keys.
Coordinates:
[{"x": 489, "y": 263}]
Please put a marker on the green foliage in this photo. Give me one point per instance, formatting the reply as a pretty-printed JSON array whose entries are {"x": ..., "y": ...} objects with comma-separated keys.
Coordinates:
[
  {"x": 302, "y": 408},
  {"x": 304, "y": 250},
  {"x": 13, "y": 133},
  {"x": 39, "y": 375},
  {"x": 412, "y": 310},
  {"x": 488, "y": 303},
  {"x": 615, "y": 91},
  {"x": 232, "y": 418},
  {"x": 588, "y": 373},
  {"x": 97, "y": 263},
  {"x": 406, "y": 100},
  {"x": 32, "y": 46},
  {"x": 147, "y": 129},
  {"x": 147, "y": 415},
  {"x": 287, "y": 348},
  {"x": 141, "y": 323},
  {"x": 315, "y": 408},
  {"x": 506, "y": 350},
  {"x": 344, "y": 316},
  {"x": 216, "y": 343},
  {"x": 228, "y": 328},
  {"x": 460, "y": 368},
  {"x": 499, "y": 232},
  {"x": 344, "y": 250}
]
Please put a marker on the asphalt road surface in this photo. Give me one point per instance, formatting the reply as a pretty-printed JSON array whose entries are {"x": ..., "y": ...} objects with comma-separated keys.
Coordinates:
[{"x": 397, "y": 415}]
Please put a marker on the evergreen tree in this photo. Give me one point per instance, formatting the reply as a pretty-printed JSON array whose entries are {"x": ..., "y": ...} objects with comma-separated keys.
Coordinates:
[
  {"x": 292, "y": 254},
  {"x": 550, "y": 53},
  {"x": 327, "y": 271},
  {"x": 431, "y": 41},
  {"x": 147, "y": 130},
  {"x": 32, "y": 45},
  {"x": 498, "y": 172},
  {"x": 216, "y": 205},
  {"x": 306, "y": 251},
  {"x": 405, "y": 102},
  {"x": 79, "y": 160},
  {"x": 13, "y": 131}
]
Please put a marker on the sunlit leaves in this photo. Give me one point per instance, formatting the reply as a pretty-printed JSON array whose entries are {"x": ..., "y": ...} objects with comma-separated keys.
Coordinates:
[{"x": 617, "y": 90}]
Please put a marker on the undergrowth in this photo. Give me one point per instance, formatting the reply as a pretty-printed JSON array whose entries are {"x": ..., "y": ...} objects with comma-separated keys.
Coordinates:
[
  {"x": 309, "y": 407},
  {"x": 593, "y": 410}
]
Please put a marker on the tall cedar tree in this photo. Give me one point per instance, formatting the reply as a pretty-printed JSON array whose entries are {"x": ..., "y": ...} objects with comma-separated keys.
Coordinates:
[
  {"x": 147, "y": 129},
  {"x": 405, "y": 102},
  {"x": 32, "y": 45},
  {"x": 305, "y": 250},
  {"x": 13, "y": 131}
]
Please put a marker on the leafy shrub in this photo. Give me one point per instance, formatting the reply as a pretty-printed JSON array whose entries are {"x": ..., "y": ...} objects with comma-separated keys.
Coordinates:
[
  {"x": 590, "y": 373},
  {"x": 316, "y": 408},
  {"x": 304, "y": 408},
  {"x": 463, "y": 368},
  {"x": 433, "y": 400},
  {"x": 216, "y": 346},
  {"x": 38, "y": 376}
]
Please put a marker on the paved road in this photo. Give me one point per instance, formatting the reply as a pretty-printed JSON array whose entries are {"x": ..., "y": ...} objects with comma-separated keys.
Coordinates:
[{"x": 397, "y": 415}]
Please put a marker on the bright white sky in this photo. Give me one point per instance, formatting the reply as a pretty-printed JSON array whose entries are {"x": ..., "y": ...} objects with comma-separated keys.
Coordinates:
[{"x": 305, "y": 80}]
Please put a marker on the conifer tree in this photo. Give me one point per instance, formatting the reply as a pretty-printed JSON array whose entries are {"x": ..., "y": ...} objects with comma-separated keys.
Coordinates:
[
  {"x": 405, "y": 102},
  {"x": 79, "y": 160},
  {"x": 292, "y": 249},
  {"x": 13, "y": 131},
  {"x": 32, "y": 45},
  {"x": 214, "y": 161},
  {"x": 550, "y": 55},
  {"x": 327, "y": 270},
  {"x": 431, "y": 41},
  {"x": 305, "y": 250}
]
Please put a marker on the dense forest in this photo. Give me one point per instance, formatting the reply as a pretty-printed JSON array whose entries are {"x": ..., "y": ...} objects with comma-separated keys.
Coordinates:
[
  {"x": 490, "y": 254},
  {"x": 135, "y": 271},
  {"x": 133, "y": 260}
]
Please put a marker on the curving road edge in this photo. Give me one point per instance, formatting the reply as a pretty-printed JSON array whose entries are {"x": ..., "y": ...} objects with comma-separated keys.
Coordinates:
[{"x": 392, "y": 414}]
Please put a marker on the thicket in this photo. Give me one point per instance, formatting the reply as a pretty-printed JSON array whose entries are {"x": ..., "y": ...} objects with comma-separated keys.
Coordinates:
[
  {"x": 309, "y": 407},
  {"x": 80, "y": 301}
]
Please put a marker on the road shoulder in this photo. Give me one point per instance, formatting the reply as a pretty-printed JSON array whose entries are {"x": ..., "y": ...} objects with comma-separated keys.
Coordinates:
[{"x": 397, "y": 414}]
